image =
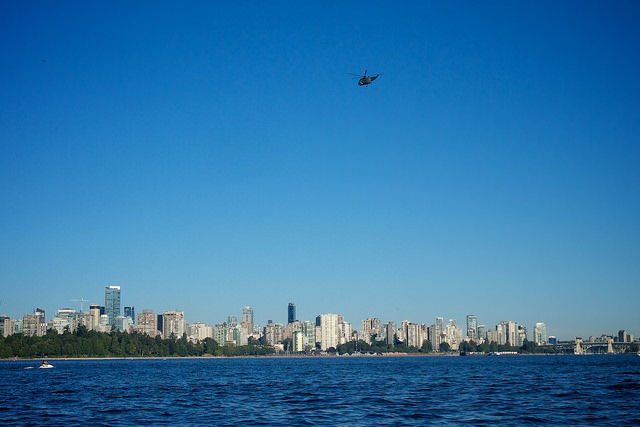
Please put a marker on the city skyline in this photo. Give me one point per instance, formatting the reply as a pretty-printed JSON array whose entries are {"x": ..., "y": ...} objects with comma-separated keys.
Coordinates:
[
  {"x": 248, "y": 315},
  {"x": 207, "y": 157}
]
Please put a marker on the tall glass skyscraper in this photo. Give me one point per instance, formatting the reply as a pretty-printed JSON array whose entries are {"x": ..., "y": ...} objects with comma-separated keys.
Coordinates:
[
  {"x": 291, "y": 313},
  {"x": 112, "y": 303},
  {"x": 472, "y": 327}
]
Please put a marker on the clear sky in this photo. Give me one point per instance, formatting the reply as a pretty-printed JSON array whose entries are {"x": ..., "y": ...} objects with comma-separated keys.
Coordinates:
[{"x": 207, "y": 156}]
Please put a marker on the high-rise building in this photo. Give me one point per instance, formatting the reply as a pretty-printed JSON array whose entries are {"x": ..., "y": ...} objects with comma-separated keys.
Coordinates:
[
  {"x": 390, "y": 333},
  {"x": 308, "y": 335},
  {"x": 247, "y": 318},
  {"x": 482, "y": 332},
  {"x": 274, "y": 333},
  {"x": 33, "y": 326},
  {"x": 291, "y": 313},
  {"x": 123, "y": 323},
  {"x": 5, "y": 326},
  {"x": 472, "y": 327},
  {"x": 95, "y": 311},
  {"x": 240, "y": 336},
  {"x": 297, "y": 341},
  {"x": 148, "y": 323},
  {"x": 65, "y": 318},
  {"x": 232, "y": 321},
  {"x": 173, "y": 324},
  {"x": 130, "y": 312},
  {"x": 540, "y": 333},
  {"x": 453, "y": 334},
  {"x": 112, "y": 303},
  {"x": 220, "y": 333},
  {"x": 329, "y": 330},
  {"x": 412, "y": 334},
  {"x": 370, "y": 327}
]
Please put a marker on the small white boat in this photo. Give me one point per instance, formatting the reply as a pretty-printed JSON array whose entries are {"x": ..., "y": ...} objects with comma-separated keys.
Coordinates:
[{"x": 46, "y": 366}]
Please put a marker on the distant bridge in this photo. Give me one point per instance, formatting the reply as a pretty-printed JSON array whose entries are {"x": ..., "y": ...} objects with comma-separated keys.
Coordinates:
[{"x": 594, "y": 347}]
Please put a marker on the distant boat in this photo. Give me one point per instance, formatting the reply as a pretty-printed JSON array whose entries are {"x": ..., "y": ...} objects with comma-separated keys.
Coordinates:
[{"x": 46, "y": 365}]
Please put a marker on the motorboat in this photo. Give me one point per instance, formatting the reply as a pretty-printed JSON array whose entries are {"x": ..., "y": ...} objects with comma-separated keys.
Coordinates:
[{"x": 46, "y": 365}]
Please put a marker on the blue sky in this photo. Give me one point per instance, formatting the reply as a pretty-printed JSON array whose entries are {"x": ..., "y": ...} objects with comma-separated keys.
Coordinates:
[{"x": 207, "y": 156}]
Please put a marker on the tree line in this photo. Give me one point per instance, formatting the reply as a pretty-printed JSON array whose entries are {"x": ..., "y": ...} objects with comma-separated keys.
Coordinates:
[{"x": 89, "y": 343}]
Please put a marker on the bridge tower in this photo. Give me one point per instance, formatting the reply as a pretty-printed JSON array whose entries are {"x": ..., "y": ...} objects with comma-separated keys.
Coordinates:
[
  {"x": 610, "y": 346},
  {"x": 578, "y": 349}
]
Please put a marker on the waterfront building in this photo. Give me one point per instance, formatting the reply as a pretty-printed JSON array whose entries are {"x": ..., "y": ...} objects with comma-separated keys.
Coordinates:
[
  {"x": 64, "y": 318},
  {"x": 623, "y": 336},
  {"x": 412, "y": 334},
  {"x": 329, "y": 330},
  {"x": 472, "y": 327},
  {"x": 220, "y": 333},
  {"x": 522, "y": 335},
  {"x": 500, "y": 336},
  {"x": 298, "y": 342},
  {"x": 103, "y": 324},
  {"x": 346, "y": 332},
  {"x": 173, "y": 324},
  {"x": 123, "y": 323},
  {"x": 425, "y": 331},
  {"x": 33, "y": 324},
  {"x": 291, "y": 328},
  {"x": 291, "y": 313},
  {"x": 274, "y": 333},
  {"x": 390, "y": 333},
  {"x": 95, "y": 311},
  {"x": 232, "y": 321},
  {"x": 84, "y": 319},
  {"x": 247, "y": 318},
  {"x": 159, "y": 323},
  {"x": 439, "y": 335},
  {"x": 130, "y": 312},
  {"x": 493, "y": 335},
  {"x": 370, "y": 327},
  {"x": 6, "y": 328},
  {"x": 540, "y": 333},
  {"x": 16, "y": 326},
  {"x": 199, "y": 331},
  {"x": 112, "y": 303},
  {"x": 308, "y": 335},
  {"x": 453, "y": 334},
  {"x": 512, "y": 334},
  {"x": 240, "y": 336},
  {"x": 148, "y": 323},
  {"x": 482, "y": 333}
]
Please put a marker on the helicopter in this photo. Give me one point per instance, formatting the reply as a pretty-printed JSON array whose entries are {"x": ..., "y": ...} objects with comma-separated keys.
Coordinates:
[{"x": 364, "y": 79}]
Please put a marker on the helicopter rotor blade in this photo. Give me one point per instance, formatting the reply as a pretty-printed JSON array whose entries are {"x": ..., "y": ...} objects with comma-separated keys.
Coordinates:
[{"x": 358, "y": 75}]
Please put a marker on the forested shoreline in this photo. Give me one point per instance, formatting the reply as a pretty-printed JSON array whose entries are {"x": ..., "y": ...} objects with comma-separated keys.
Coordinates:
[{"x": 84, "y": 343}]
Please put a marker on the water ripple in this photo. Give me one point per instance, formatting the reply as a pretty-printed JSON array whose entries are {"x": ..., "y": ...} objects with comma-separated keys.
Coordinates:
[{"x": 602, "y": 390}]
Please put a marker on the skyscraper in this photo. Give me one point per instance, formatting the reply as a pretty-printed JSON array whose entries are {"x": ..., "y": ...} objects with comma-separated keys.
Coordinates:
[
  {"x": 540, "y": 333},
  {"x": 130, "y": 312},
  {"x": 173, "y": 324},
  {"x": 472, "y": 327},
  {"x": 112, "y": 303},
  {"x": 247, "y": 318},
  {"x": 329, "y": 330},
  {"x": 291, "y": 313}
]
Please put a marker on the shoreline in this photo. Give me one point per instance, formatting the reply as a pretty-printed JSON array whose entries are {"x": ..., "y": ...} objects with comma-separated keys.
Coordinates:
[{"x": 287, "y": 356}]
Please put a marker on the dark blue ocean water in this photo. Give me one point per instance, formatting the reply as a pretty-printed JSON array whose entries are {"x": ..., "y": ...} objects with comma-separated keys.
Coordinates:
[{"x": 511, "y": 390}]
